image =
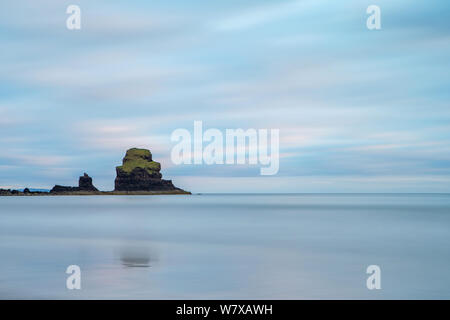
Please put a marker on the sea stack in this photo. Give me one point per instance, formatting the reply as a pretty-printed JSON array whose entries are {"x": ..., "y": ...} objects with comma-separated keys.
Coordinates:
[
  {"x": 139, "y": 172},
  {"x": 85, "y": 183}
]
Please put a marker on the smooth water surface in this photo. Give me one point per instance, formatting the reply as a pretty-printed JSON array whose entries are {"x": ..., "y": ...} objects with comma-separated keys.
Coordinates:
[{"x": 306, "y": 246}]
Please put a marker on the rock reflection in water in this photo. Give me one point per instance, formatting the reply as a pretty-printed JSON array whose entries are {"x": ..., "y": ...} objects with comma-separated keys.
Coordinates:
[{"x": 135, "y": 257}]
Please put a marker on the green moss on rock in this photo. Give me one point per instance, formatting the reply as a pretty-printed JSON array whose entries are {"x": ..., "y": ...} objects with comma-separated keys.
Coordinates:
[
  {"x": 135, "y": 153},
  {"x": 139, "y": 158}
]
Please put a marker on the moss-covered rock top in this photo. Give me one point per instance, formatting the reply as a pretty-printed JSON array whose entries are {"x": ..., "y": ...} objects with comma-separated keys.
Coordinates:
[
  {"x": 135, "y": 153},
  {"x": 139, "y": 158}
]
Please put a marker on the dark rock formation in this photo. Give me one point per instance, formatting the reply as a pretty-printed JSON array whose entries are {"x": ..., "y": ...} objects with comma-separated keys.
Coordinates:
[
  {"x": 57, "y": 188},
  {"x": 5, "y": 192},
  {"x": 26, "y": 191},
  {"x": 84, "y": 184},
  {"x": 138, "y": 175},
  {"x": 139, "y": 172}
]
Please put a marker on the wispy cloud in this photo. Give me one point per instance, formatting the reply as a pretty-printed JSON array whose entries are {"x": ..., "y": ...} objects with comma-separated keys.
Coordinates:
[
  {"x": 260, "y": 15},
  {"x": 349, "y": 103}
]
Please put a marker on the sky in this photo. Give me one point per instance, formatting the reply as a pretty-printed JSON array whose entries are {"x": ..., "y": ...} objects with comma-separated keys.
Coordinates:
[{"x": 358, "y": 110}]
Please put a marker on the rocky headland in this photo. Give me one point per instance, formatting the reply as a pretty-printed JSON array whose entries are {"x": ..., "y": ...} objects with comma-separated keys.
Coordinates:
[{"x": 138, "y": 175}]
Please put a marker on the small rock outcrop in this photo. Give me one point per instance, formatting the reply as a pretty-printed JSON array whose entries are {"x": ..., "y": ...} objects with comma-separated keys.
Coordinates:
[
  {"x": 139, "y": 172},
  {"x": 84, "y": 184},
  {"x": 57, "y": 189},
  {"x": 5, "y": 192},
  {"x": 26, "y": 191}
]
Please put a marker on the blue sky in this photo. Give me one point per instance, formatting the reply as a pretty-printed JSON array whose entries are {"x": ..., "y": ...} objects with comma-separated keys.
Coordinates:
[{"x": 358, "y": 110}]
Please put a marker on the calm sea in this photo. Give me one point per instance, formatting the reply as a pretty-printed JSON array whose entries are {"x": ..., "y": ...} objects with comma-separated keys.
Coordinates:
[{"x": 305, "y": 246}]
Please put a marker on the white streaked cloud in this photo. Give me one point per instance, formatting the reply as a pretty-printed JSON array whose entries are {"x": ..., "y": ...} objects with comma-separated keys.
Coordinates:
[
  {"x": 260, "y": 15},
  {"x": 348, "y": 102},
  {"x": 316, "y": 184}
]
